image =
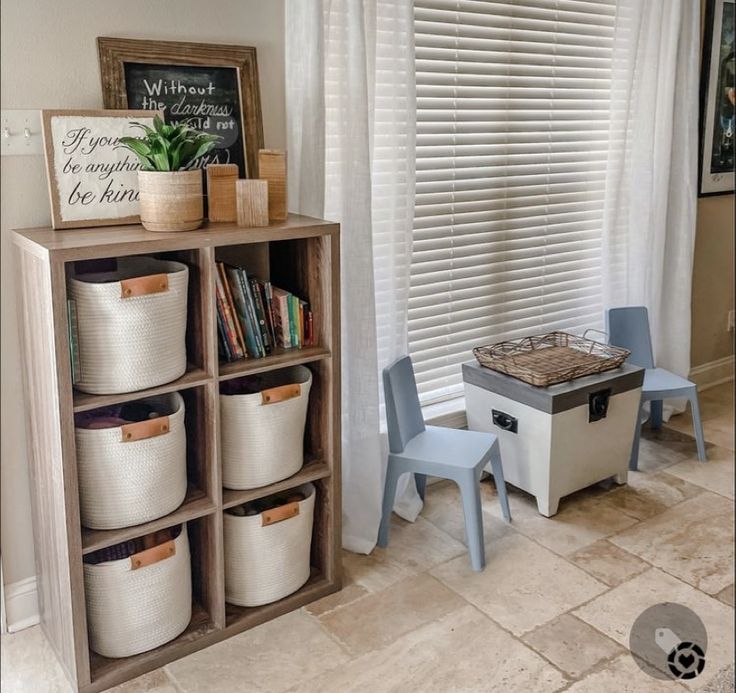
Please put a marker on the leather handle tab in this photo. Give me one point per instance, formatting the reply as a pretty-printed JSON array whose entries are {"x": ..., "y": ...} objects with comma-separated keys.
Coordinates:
[
  {"x": 281, "y": 393},
  {"x": 142, "y": 286},
  {"x": 279, "y": 513},
  {"x": 145, "y": 429},
  {"x": 152, "y": 555}
]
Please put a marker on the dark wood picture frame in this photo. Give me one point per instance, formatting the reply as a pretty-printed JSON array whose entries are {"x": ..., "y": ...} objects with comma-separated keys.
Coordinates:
[
  {"x": 114, "y": 53},
  {"x": 720, "y": 183}
]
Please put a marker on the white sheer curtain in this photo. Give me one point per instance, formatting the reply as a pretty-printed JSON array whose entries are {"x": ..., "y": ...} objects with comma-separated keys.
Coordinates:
[
  {"x": 651, "y": 186},
  {"x": 351, "y": 132}
]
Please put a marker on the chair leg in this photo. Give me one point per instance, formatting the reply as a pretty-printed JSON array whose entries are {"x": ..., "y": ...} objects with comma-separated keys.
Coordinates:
[
  {"x": 470, "y": 491},
  {"x": 634, "y": 459},
  {"x": 655, "y": 408},
  {"x": 697, "y": 425},
  {"x": 497, "y": 468},
  {"x": 389, "y": 498},
  {"x": 421, "y": 483}
]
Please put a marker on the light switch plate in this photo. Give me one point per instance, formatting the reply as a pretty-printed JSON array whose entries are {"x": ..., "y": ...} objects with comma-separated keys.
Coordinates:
[{"x": 20, "y": 133}]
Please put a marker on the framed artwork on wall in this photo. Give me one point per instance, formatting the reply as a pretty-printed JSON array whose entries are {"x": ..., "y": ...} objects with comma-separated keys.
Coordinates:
[
  {"x": 213, "y": 86},
  {"x": 718, "y": 100},
  {"x": 92, "y": 181}
]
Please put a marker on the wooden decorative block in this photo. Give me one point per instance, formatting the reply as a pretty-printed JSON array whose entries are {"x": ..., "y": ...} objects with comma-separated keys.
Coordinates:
[
  {"x": 252, "y": 202},
  {"x": 272, "y": 167},
  {"x": 221, "y": 179}
]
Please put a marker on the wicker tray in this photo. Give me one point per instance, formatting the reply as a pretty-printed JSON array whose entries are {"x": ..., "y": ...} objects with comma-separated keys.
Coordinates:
[{"x": 551, "y": 358}]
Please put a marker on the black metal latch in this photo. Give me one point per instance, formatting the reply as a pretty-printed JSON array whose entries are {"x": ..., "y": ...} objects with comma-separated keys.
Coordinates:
[
  {"x": 598, "y": 404},
  {"x": 505, "y": 421}
]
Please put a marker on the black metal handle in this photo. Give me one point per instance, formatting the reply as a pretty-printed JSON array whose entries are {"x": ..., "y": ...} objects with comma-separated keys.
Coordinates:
[
  {"x": 598, "y": 404},
  {"x": 505, "y": 421}
]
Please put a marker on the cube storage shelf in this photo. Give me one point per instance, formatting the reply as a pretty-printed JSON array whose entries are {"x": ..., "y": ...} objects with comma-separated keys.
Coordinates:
[{"x": 301, "y": 255}]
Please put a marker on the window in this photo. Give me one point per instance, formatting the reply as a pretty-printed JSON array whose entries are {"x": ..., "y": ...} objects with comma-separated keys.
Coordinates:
[{"x": 512, "y": 140}]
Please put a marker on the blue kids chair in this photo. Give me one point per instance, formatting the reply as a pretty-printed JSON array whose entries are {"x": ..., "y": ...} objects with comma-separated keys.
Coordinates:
[
  {"x": 448, "y": 453},
  {"x": 629, "y": 328}
]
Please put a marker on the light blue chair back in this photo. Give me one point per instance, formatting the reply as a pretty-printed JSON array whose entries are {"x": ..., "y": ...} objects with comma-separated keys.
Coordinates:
[
  {"x": 629, "y": 328},
  {"x": 403, "y": 411}
]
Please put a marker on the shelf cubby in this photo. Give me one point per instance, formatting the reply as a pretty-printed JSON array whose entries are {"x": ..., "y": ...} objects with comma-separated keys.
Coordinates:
[{"x": 300, "y": 255}]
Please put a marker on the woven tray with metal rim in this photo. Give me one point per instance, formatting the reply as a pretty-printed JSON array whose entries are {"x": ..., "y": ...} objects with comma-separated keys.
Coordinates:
[{"x": 551, "y": 358}]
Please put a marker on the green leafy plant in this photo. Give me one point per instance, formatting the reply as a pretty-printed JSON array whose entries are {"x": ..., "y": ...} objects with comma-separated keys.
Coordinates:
[{"x": 168, "y": 147}]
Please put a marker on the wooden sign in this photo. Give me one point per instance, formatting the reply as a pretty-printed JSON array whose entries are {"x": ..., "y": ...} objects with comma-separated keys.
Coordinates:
[
  {"x": 221, "y": 179},
  {"x": 214, "y": 87},
  {"x": 272, "y": 167},
  {"x": 252, "y": 198},
  {"x": 92, "y": 181}
]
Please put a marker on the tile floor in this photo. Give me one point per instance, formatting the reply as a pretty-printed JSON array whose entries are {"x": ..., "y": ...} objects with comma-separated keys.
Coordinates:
[{"x": 551, "y": 612}]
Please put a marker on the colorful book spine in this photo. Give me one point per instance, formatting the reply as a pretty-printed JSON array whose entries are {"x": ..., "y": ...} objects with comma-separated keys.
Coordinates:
[
  {"x": 227, "y": 318},
  {"x": 240, "y": 338},
  {"x": 281, "y": 317},
  {"x": 268, "y": 299},
  {"x": 222, "y": 341},
  {"x": 260, "y": 315},
  {"x": 251, "y": 312},
  {"x": 239, "y": 298},
  {"x": 293, "y": 307},
  {"x": 311, "y": 341}
]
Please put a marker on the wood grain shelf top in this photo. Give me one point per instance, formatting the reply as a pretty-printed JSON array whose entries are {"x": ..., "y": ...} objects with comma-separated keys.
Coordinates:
[
  {"x": 281, "y": 358},
  {"x": 196, "y": 504},
  {"x": 311, "y": 471},
  {"x": 109, "y": 241},
  {"x": 194, "y": 377}
]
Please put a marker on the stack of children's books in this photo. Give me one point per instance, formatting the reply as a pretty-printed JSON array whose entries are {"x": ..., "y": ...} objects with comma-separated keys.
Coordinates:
[{"x": 254, "y": 318}]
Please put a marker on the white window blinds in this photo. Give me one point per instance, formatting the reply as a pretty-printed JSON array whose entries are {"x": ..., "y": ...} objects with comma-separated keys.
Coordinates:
[{"x": 512, "y": 139}]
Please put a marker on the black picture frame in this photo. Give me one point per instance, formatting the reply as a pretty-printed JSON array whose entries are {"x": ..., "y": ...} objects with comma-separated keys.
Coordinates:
[{"x": 713, "y": 67}]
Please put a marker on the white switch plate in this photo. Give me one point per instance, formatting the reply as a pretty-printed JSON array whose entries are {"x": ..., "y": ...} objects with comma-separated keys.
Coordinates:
[{"x": 20, "y": 133}]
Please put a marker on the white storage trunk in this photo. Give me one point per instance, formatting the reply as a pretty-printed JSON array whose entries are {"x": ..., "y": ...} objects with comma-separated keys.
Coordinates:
[
  {"x": 133, "y": 473},
  {"x": 266, "y": 557},
  {"x": 131, "y": 325},
  {"x": 263, "y": 433},
  {"x": 134, "y": 609},
  {"x": 558, "y": 439}
]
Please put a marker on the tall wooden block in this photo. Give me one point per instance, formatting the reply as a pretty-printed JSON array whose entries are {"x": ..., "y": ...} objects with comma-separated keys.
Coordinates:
[
  {"x": 252, "y": 202},
  {"x": 221, "y": 179},
  {"x": 272, "y": 167}
]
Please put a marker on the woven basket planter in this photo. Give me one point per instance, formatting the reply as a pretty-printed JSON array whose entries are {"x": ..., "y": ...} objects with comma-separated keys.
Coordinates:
[
  {"x": 134, "y": 609},
  {"x": 267, "y": 558},
  {"x": 170, "y": 200},
  {"x": 133, "y": 473},
  {"x": 263, "y": 431},
  {"x": 131, "y": 325}
]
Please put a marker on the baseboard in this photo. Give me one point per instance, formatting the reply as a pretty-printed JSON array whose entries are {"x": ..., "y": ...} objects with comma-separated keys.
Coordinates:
[
  {"x": 713, "y": 373},
  {"x": 21, "y": 604}
]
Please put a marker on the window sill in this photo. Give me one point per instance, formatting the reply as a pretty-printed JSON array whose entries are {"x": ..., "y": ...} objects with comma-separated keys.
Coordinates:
[{"x": 450, "y": 414}]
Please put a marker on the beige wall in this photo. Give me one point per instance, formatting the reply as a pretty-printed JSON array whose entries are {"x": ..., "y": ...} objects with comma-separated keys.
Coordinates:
[
  {"x": 49, "y": 60},
  {"x": 713, "y": 280}
]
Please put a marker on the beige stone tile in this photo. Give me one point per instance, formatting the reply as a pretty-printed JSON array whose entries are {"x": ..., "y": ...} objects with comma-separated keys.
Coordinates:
[
  {"x": 663, "y": 448},
  {"x": 347, "y": 595},
  {"x": 29, "y": 665},
  {"x": 413, "y": 548},
  {"x": 723, "y": 682},
  {"x": 717, "y": 474},
  {"x": 622, "y": 675},
  {"x": 443, "y": 508},
  {"x": 649, "y": 493},
  {"x": 693, "y": 541},
  {"x": 382, "y": 617},
  {"x": 583, "y": 518},
  {"x": 571, "y": 644},
  {"x": 614, "y": 612},
  {"x": 608, "y": 563},
  {"x": 269, "y": 658},
  {"x": 726, "y": 595},
  {"x": 463, "y": 651},
  {"x": 155, "y": 682},
  {"x": 523, "y": 585}
]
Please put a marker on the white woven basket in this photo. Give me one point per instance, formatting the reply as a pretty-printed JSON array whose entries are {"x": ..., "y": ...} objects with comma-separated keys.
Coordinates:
[
  {"x": 263, "y": 433},
  {"x": 129, "y": 610},
  {"x": 131, "y": 325},
  {"x": 264, "y": 563},
  {"x": 134, "y": 473}
]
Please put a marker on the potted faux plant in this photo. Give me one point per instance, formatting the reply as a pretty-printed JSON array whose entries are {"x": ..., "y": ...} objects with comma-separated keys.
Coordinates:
[{"x": 170, "y": 195}]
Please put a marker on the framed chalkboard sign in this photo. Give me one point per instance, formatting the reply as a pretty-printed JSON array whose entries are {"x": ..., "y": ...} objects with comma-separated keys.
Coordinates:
[{"x": 213, "y": 86}]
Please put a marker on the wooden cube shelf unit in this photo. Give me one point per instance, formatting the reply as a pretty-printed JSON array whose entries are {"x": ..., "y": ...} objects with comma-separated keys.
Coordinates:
[{"x": 301, "y": 255}]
